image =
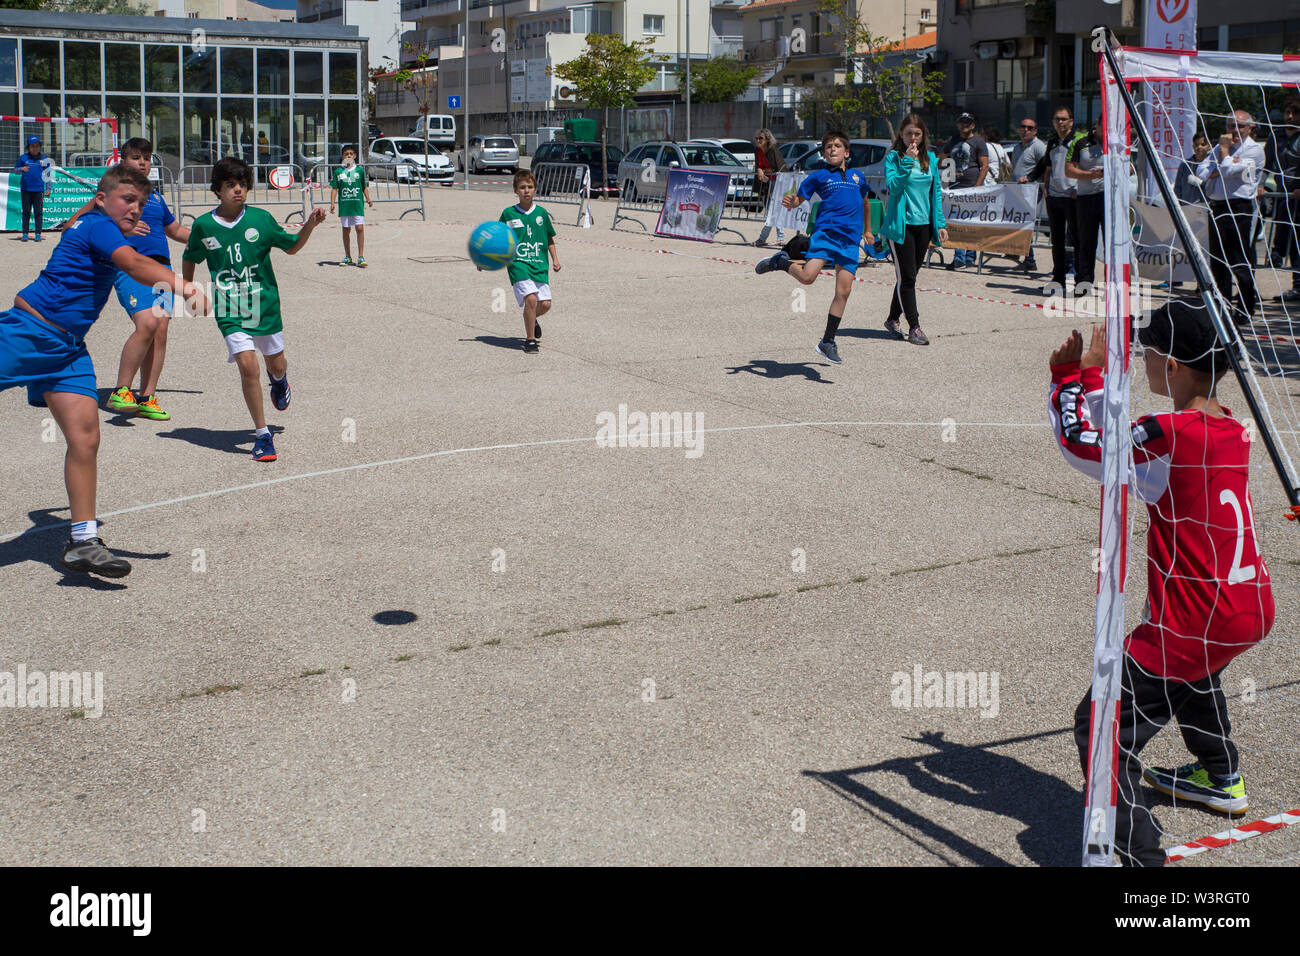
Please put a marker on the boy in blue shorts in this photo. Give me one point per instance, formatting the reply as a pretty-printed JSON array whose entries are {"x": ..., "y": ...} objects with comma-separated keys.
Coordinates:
[
  {"x": 835, "y": 239},
  {"x": 150, "y": 309},
  {"x": 42, "y": 343}
]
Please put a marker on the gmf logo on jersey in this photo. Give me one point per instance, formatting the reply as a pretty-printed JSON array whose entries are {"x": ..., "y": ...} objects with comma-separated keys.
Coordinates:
[
  {"x": 251, "y": 235},
  {"x": 211, "y": 243},
  {"x": 515, "y": 224},
  {"x": 1171, "y": 11}
]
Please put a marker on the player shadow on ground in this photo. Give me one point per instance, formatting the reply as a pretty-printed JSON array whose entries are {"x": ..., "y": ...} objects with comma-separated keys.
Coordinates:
[
  {"x": 237, "y": 441},
  {"x": 500, "y": 341},
  {"x": 884, "y": 334},
  {"x": 766, "y": 368},
  {"x": 971, "y": 776},
  {"x": 46, "y": 547},
  {"x": 127, "y": 419}
]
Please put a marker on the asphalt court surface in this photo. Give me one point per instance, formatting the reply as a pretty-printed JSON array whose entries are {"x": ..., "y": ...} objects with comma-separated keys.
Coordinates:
[{"x": 447, "y": 626}]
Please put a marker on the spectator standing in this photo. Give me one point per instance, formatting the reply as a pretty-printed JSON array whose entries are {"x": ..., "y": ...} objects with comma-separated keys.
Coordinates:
[
  {"x": 1025, "y": 157},
  {"x": 970, "y": 165},
  {"x": 1232, "y": 174},
  {"x": 767, "y": 163},
  {"x": 1061, "y": 194}
]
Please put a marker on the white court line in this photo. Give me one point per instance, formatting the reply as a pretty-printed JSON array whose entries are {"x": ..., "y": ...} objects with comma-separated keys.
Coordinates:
[{"x": 528, "y": 444}]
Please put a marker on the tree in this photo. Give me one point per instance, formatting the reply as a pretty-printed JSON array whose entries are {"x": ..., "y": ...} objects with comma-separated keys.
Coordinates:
[
  {"x": 719, "y": 80},
  {"x": 121, "y": 7},
  {"x": 419, "y": 85},
  {"x": 608, "y": 74},
  {"x": 888, "y": 90}
]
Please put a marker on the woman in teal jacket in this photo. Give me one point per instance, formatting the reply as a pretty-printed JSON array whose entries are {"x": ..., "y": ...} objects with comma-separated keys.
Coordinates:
[{"x": 913, "y": 219}]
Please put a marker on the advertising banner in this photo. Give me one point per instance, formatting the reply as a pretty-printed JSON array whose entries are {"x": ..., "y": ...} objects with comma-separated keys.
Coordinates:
[
  {"x": 1157, "y": 244},
  {"x": 693, "y": 204},
  {"x": 1171, "y": 106},
  {"x": 998, "y": 219},
  {"x": 70, "y": 189},
  {"x": 786, "y": 184}
]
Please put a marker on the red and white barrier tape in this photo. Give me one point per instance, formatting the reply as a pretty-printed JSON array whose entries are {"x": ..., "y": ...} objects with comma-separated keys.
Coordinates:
[{"x": 1235, "y": 835}]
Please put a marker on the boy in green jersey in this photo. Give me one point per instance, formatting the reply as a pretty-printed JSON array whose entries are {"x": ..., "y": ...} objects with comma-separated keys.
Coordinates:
[
  {"x": 352, "y": 192},
  {"x": 534, "y": 242},
  {"x": 236, "y": 242}
]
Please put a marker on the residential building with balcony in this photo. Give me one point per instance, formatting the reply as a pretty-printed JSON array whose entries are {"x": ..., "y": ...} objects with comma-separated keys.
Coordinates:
[{"x": 378, "y": 20}]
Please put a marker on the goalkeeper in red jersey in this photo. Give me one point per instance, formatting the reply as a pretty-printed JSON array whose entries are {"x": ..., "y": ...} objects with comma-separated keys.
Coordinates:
[{"x": 1208, "y": 591}]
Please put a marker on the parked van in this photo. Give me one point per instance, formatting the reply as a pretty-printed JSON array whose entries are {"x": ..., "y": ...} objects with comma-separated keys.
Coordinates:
[{"x": 442, "y": 129}]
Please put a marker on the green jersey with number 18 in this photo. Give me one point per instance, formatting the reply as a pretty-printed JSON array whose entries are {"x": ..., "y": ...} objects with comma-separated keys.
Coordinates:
[
  {"x": 245, "y": 296},
  {"x": 533, "y": 233}
]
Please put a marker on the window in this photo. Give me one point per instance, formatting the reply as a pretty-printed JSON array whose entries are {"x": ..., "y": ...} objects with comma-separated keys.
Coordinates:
[
  {"x": 81, "y": 67},
  {"x": 162, "y": 69},
  {"x": 8, "y": 62},
  {"x": 925, "y": 14},
  {"x": 307, "y": 76},
  {"x": 236, "y": 70},
  {"x": 122, "y": 67},
  {"x": 201, "y": 71},
  {"x": 343, "y": 74},
  {"x": 963, "y": 76},
  {"x": 1011, "y": 76},
  {"x": 40, "y": 62},
  {"x": 652, "y": 25},
  {"x": 273, "y": 73}
]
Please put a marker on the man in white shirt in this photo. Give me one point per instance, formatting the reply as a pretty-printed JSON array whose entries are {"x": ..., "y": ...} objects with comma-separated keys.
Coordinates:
[{"x": 1232, "y": 174}]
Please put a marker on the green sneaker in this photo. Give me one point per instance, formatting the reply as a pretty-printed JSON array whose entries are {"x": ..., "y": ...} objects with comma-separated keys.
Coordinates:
[
  {"x": 361, "y": 261},
  {"x": 123, "y": 401},
  {"x": 149, "y": 409},
  {"x": 345, "y": 261},
  {"x": 1193, "y": 782}
]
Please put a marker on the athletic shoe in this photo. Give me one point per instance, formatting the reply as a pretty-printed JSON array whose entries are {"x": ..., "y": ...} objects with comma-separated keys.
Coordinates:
[
  {"x": 537, "y": 329},
  {"x": 1291, "y": 295},
  {"x": 264, "y": 448},
  {"x": 761, "y": 243},
  {"x": 92, "y": 557},
  {"x": 531, "y": 346},
  {"x": 892, "y": 325},
  {"x": 38, "y": 237},
  {"x": 280, "y": 393},
  {"x": 149, "y": 409},
  {"x": 1193, "y": 782},
  {"x": 123, "y": 401},
  {"x": 361, "y": 261},
  {"x": 917, "y": 337},
  {"x": 1028, "y": 265},
  {"x": 24, "y": 238},
  {"x": 346, "y": 261},
  {"x": 778, "y": 261},
  {"x": 828, "y": 350},
  {"x": 953, "y": 263}
]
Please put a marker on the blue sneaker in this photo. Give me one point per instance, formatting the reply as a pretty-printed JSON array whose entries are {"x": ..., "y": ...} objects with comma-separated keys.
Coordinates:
[
  {"x": 280, "y": 394},
  {"x": 772, "y": 263},
  {"x": 264, "y": 448},
  {"x": 24, "y": 238},
  {"x": 38, "y": 237}
]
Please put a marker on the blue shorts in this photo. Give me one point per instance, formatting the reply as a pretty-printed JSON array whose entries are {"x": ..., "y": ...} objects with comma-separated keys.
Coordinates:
[
  {"x": 835, "y": 249},
  {"x": 136, "y": 296},
  {"x": 36, "y": 354}
]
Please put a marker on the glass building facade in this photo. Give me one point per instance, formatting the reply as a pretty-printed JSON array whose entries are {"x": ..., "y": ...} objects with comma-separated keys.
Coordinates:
[{"x": 267, "y": 92}]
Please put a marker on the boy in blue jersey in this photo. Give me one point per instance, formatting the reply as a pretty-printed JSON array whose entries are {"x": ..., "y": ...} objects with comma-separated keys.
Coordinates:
[
  {"x": 840, "y": 217},
  {"x": 42, "y": 343},
  {"x": 150, "y": 309},
  {"x": 35, "y": 167}
]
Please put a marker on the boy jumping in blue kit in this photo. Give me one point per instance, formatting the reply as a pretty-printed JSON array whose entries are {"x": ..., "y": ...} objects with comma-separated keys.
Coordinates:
[
  {"x": 838, "y": 233},
  {"x": 42, "y": 343}
]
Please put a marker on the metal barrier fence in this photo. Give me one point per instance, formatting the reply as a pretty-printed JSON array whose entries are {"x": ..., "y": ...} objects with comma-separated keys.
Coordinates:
[
  {"x": 637, "y": 196},
  {"x": 274, "y": 184},
  {"x": 564, "y": 184},
  {"x": 400, "y": 189}
]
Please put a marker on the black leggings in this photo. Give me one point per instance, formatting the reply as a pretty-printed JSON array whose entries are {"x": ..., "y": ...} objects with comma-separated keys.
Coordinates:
[
  {"x": 1148, "y": 702},
  {"x": 908, "y": 255},
  {"x": 1090, "y": 215},
  {"x": 33, "y": 202}
]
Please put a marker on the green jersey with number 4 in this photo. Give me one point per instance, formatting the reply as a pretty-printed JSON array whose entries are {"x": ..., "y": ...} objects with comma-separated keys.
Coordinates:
[
  {"x": 351, "y": 184},
  {"x": 533, "y": 233},
  {"x": 245, "y": 297}
]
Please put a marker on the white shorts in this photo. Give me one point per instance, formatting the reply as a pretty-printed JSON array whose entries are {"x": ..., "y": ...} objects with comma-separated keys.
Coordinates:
[
  {"x": 527, "y": 287},
  {"x": 237, "y": 342},
  {"x": 348, "y": 221}
]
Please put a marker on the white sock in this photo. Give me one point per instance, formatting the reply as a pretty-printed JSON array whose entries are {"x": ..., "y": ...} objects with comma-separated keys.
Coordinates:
[
  {"x": 84, "y": 530},
  {"x": 264, "y": 432}
]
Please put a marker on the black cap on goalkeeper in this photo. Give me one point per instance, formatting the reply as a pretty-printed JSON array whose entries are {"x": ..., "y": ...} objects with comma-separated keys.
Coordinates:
[{"x": 1185, "y": 333}]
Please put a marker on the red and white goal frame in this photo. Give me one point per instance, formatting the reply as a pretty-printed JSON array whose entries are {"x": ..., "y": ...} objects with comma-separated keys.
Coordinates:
[{"x": 70, "y": 141}]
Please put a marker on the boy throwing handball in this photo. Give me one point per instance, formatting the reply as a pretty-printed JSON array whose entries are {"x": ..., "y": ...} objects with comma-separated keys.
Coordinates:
[
  {"x": 534, "y": 242},
  {"x": 42, "y": 343},
  {"x": 236, "y": 242},
  {"x": 1208, "y": 591}
]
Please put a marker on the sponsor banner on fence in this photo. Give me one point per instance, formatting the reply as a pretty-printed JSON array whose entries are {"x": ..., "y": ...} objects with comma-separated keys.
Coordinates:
[
  {"x": 1156, "y": 242},
  {"x": 786, "y": 184},
  {"x": 70, "y": 189},
  {"x": 693, "y": 204},
  {"x": 997, "y": 219}
]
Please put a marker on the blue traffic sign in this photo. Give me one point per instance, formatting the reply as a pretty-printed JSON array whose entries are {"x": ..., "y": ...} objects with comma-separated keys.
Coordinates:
[{"x": 453, "y": 102}]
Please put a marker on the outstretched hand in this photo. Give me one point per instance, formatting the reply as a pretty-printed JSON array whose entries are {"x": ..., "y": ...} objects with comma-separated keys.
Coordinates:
[
  {"x": 1071, "y": 350},
  {"x": 1096, "y": 354}
]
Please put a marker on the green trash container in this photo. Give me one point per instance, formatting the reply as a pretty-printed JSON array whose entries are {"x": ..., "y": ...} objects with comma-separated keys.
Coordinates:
[{"x": 580, "y": 130}]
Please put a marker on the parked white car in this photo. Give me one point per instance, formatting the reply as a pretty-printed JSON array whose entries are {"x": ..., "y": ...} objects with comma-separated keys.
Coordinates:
[
  {"x": 393, "y": 151},
  {"x": 495, "y": 151},
  {"x": 742, "y": 149}
]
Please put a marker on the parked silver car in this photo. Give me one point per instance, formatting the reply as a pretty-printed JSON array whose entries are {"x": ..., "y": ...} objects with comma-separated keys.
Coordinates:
[
  {"x": 496, "y": 151},
  {"x": 636, "y": 184}
]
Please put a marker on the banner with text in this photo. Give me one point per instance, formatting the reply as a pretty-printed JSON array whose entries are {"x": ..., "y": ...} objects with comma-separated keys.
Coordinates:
[
  {"x": 998, "y": 219},
  {"x": 1157, "y": 244},
  {"x": 787, "y": 184},
  {"x": 693, "y": 204},
  {"x": 69, "y": 191},
  {"x": 1171, "y": 104}
]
